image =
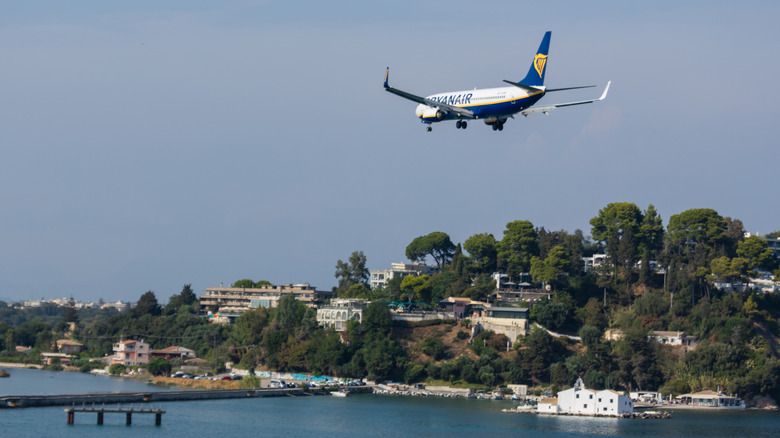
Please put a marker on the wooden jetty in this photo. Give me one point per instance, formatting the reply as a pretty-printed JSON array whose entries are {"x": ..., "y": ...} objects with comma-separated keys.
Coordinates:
[{"x": 100, "y": 410}]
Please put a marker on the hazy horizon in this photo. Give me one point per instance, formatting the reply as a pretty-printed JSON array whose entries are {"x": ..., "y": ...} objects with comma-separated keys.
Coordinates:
[{"x": 150, "y": 145}]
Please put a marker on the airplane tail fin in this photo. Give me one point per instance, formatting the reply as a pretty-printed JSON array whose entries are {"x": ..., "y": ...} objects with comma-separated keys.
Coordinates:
[{"x": 535, "y": 76}]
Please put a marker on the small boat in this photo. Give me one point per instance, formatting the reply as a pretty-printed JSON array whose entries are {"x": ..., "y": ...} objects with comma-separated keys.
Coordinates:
[{"x": 340, "y": 393}]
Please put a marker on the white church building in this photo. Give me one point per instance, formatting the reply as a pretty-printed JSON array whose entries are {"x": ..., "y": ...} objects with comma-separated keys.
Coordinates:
[{"x": 582, "y": 401}]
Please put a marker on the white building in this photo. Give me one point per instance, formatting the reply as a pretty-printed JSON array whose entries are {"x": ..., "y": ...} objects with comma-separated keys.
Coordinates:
[
  {"x": 589, "y": 263},
  {"x": 579, "y": 400},
  {"x": 380, "y": 278},
  {"x": 672, "y": 338},
  {"x": 339, "y": 312},
  {"x": 612, "y": 403}
]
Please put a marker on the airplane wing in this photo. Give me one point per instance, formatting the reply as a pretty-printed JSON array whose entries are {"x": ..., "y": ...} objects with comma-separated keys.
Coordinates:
[
  {"x": 547, "y": 108},
  {"x": 446, "y": 108}
]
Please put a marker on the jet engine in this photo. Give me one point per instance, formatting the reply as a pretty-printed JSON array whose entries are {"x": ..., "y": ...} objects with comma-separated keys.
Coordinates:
[{"x": 429, "y": 112}]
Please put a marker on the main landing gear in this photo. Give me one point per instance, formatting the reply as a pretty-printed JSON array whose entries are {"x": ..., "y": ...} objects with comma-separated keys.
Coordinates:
[
  {"x": 461, "y": 124},
  {"x": 428, "y": 128},
  {"x": 499, "y": 125}
]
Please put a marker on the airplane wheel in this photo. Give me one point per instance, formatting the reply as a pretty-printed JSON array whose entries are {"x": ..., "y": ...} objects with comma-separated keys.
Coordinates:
[
  {"x": 458, "y": 124},
  {"x": 428, "y": 129},
  {"x": 501, "y": 127},
  {"x": 463, "y": 124},
  {"x": 495, "y": 127}
]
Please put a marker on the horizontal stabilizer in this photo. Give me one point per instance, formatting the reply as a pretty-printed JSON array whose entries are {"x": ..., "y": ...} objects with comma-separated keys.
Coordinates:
[
  {"x": 547, "y": 108},
  {"x": 527, "y": 88}
]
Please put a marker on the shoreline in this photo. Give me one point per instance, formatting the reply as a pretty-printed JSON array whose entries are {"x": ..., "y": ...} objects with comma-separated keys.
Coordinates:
[{"x": 20, "y": 365}]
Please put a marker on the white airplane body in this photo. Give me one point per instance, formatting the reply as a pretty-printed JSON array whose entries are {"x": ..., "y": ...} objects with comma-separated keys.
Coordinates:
[{"x": 492, "y": 105}]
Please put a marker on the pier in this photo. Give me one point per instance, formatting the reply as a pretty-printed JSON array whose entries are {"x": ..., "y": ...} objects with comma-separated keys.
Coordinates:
[
  {"x": 29, "y": 401},
  {"x": 117, "y": 410}
]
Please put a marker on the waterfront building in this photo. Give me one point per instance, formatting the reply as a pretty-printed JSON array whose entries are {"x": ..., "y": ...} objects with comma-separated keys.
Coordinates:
[
  {"x": 237, "y": 300},
  {"x": 131, "y": 353},
  {"x": 380, "y": 278},
  {"x": 710, "y": 399},
  {"x": 579, "y": 400},
  {"x": 174, "y": 352},
  {"x": 67, "y": 346},
  {"x": 52, "y": 358},
  {"x": 646, "y": 396},
  {"x": 518, "y": 390}
]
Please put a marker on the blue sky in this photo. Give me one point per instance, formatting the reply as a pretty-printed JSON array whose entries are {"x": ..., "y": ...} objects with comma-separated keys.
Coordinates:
[{"x": 146, "y": 146}]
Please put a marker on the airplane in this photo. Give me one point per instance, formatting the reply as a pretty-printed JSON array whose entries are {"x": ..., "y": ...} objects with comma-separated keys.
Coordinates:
[{"x": 492, "y": 105}]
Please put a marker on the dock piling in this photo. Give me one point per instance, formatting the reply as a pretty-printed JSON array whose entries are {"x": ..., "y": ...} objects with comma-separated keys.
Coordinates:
[{"x": 118, "y": 410}]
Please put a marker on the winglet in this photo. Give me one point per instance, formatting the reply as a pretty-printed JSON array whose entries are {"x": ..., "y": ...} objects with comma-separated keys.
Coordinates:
[
  {"x": 387, "y": 74},
  {"x": 606, "y": 89}
]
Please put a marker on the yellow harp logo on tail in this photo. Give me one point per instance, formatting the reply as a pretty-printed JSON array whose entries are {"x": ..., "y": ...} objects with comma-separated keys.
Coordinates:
[{"x": 539, "y": 62}]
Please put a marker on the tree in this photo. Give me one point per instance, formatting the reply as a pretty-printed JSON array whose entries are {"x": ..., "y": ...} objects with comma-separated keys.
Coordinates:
[
  {"x": 248, "y": 328},
  {"x": 185, "y": 298},
  {"x": 437, "y": 245},
  {"x": 590, "y": 335},
  {"x": 244, "y": 284},
  {"x": 552, "y": 267},
  {"x": 289, "y": 312},
  {"x": 651, "y": 240},
  {"x": 695, "y": 237},
  {"x": 729, "y": 270},
  {"x": 417, "y": 288},
  {"x": 355, "y": 291},
  {"x": 698, "y": 231},
  {"x": 756, "y": 251},
  {"x": 116, "y": 369},
  {"x": 377, "y": 318},
  {"x": 518, "y": 247},
  {"x": 483, "y": 252},
  {"x": 482, "y": 286},
  {"x": 147, "y": 305},
  {"x": 159, "y": 366},
  {"x": 551, "y": 314},
  {"x": 539, "y": 354},
  {"x": 617, "y": 224},
  {"x": 354, "y": 272}
]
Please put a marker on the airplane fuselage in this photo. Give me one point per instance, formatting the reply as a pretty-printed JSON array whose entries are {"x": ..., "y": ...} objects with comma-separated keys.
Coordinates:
[
  {"x": 486, "y": 103},
  {"x": 492, "y": 105}
]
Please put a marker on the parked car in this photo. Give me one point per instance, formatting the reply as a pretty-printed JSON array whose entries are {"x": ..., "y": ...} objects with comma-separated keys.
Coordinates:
[
  {"x": 225, "y": 378},
  {"x": 178, "y": 374},
  {"x": 188, "y": 376},
  {"x": 236, "y": 377},
  {"x": 277, "y": 383}
]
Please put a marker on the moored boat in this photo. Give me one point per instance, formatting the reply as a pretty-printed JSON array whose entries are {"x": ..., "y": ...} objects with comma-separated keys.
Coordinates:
[{"x": 340, "y": 393}]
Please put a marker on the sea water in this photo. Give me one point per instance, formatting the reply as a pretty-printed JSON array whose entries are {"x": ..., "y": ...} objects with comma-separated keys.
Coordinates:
[{"x": 355, "y": 416}]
